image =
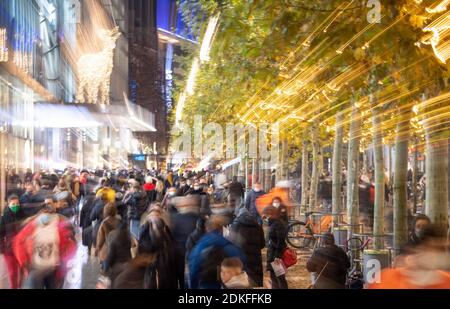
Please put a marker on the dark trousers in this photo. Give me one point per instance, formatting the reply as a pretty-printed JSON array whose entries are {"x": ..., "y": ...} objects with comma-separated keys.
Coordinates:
[
  {"x": 278, "y": 282},
  {"x": 41, "y": 280},
  {"x": 180, "y": 263}
]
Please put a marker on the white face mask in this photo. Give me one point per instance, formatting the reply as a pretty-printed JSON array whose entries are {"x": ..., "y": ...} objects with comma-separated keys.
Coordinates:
[
  {"x": 276, "y": 204},
  {"x": 257, "y": 189},
  {"x": 196, "y": 188}
]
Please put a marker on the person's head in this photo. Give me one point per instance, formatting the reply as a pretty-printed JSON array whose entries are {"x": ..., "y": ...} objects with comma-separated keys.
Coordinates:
[
  {"x": 202, "y": 180},
  {"x": 328, "y": 239},
  {"x": 155, "y": 211},
  {"x": 197, "y": 186},
  {"x": 14, "y": 203},
  {"x": 189, "y": 182},
  {"x": 62, "y": 182},
  {"x": 421, "y": 223},
  {"x": 257, "y": 187},
  {"x": 235, "y": 179},
  {"x": 230, "y": 268},
  {"x": 182, "y": 182},
  {"x": 84, "y": 174},
  {"x": 215, "y": 223},
  {"x": 51, "y": 204},
  {"x": 276, "y": 202},
  {"x": 110, "y": 210},
  {"x": 270, "y": 213},
  {"x": 107, "y": 183},
  {"x": 210, "y": 190},
  {"x": 172, "y": 191},
  {"x": 135, "y": 187},
  {"x": 154, "y": 236}
]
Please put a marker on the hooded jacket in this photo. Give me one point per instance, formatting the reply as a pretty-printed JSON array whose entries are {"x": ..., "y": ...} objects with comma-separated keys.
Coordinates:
[
  {"x": 248, "y": 235},
  {"x": 206, "y": 257}
]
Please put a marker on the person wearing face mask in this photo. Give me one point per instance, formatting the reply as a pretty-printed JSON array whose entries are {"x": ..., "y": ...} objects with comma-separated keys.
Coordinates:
[
  {"x": 276, "y": 202},
  {"x": 182, "y": 224},
  {"x": 9, "y": 228},
  {"x": 419, "y": 226},
  {"x": 197, "y": 189},
  {"x": 276, "y": 244},
  {"x": 183, "y": 188},
  {"x": 250, "y": 201},
  {"x": 43, "y": 248},
  {"x": 166, "y": 202}
]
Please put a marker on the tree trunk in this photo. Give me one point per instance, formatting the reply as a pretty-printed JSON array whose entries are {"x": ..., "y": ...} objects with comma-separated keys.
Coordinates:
[
  {"x": 255, "y": 171},
  {"x": 305, "y": 174},
  {"x": 378, "y": 218},
  {"x": 337, "y": 169},
  {"x": 315, "y": 168},
  {"x": 436, "y": 181},
  {"x": 414, "y": 176},
  {"x": 261, "y": 172},
  {"x": 352, "y": 171},
  {"x": 268, "y": 176},
  {"x": 400, "y": 179}
]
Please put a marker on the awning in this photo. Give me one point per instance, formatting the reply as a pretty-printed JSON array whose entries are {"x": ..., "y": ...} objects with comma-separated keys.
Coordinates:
[{"x": 133, "y": 117}]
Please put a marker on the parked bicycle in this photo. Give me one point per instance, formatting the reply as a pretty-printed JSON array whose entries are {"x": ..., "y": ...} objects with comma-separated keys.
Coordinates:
[{"x": 305, "y": 234}]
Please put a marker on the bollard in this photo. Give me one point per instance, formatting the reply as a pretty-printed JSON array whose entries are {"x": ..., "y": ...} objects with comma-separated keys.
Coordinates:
[{"x": 373, "y": 262}]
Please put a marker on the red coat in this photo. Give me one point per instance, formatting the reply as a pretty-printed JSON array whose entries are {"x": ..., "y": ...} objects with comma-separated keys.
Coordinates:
[
  {"x": 149, "y": 187},
  {"x": 23, "y": 246}
]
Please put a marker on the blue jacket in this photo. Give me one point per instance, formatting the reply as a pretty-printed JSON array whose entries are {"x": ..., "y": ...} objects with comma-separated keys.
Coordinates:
[
  {"x": 206, "y": 257},
  {"x": 250, "y": 202}
]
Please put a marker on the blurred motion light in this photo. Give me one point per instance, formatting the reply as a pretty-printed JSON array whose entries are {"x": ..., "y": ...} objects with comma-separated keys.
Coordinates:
[{"x": 3, "y": 47}]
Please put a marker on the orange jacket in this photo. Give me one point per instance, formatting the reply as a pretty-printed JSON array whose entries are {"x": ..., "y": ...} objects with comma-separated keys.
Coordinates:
[{"x": 396, "y": 279}]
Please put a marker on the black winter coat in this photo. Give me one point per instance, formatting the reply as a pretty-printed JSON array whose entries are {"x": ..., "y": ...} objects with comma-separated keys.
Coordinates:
[
  {"x": 248, "y": 235},
  {"x": 85, "y": 220},
  {"x": 334, "y": 274},
  {"x": 119, "y": 250},
  {"x": 276, "y": 240},
  {"x": 136, "y": 203},
  {"x": 9, "y": 227},
  {"x": 182, "y": 225},
  {"x": 97, "y": 215}
]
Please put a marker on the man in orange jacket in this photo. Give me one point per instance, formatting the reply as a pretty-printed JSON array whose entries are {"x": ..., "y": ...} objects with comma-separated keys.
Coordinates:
[{"x": 426, "y": 267}]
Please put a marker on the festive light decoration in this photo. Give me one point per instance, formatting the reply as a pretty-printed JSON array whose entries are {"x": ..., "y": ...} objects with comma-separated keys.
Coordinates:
[
  {"x": 3, "y": 47},
  {"x": 203, "y": 57},
  {"x": 94, "y": 70},
  {"x": 439, "y": 39},
  {"x": 439, "y": 8}
]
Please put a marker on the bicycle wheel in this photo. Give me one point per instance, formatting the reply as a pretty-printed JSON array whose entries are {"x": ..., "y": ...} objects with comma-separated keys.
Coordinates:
[
  {"x": 354, "y": 244},
  {"x": 299, "y": 236}
]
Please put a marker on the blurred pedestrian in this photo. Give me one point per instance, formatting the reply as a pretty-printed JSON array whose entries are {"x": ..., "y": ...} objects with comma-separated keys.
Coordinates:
[
  {"x": 276, "y": 244},
  {"x": 248, "y": 235}
]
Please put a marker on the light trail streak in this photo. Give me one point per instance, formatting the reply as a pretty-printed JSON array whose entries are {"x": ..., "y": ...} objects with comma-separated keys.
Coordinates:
[
  {"x": 309, "y": 39},
  {"x": 341, "y": 49}
]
